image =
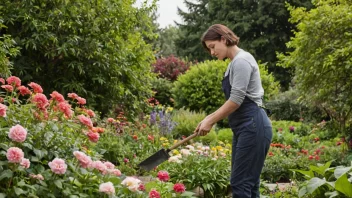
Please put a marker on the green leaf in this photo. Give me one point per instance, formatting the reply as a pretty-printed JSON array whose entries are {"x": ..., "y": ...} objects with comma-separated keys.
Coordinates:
[
  {"x": 314, "y": 184},
  {"x": 303, "y": 191},
  {"x": 3, "y": 146},
  {"x": 332, "y": 194},
  {"x": 18, "y": 191},
  {"x": 6, "y": 174},
  {"x": 339, "y": 171},
  {"x": 40, "y": 153},
  {"x": 58, "y": 183},
  {"x": 307, "y": 174},
  {"x": 343, "y": 185}
]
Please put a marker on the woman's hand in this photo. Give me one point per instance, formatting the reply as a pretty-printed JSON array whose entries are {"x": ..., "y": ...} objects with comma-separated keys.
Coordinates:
[{"x": 204, "y": 127}]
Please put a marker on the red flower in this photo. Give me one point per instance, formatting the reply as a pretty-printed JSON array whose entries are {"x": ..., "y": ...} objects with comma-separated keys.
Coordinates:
[
  {"x": 150, "y": 137},
  {"x": 126, "y": 160},
  {"x": 310, "y": 157},
  {"x": 317, "y": 157},
  {"x": 163, "y": 176},
  {"x": 154, "y": 194},
  {"x": 135, "y": 137},
  {"x": 271, "y": 153},
  {"x": 141, "y": 187},
  {"x": 179, "y": 188}
]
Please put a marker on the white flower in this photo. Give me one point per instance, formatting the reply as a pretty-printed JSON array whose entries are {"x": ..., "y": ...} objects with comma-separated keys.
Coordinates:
[{"x": 131, "y": 183}]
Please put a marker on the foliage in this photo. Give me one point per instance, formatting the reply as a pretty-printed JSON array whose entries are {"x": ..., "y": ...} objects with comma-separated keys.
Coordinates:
[
  {"x": 321, "y": 57},
  {"x": 95, "y": 49},
  {"x": 252, "y": 21},
  {"x": 225, "y": 135},
  {"x": 199, "y": 89},
  {"x": 170, "y": 67},
  {"x": 186, "y": 121},
  {"x": 7, "y": 50},
  {"x": 162, "y": 91},
  {"x": 201, "y": 166},
  {"x": 322, "y": 180},
  {"x": 165, "y": 43}
]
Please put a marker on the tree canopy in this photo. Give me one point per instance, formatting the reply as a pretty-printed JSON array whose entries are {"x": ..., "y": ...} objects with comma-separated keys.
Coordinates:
[
  {"x": 94, "y": 48},
  {"x": 322, "y": 57},
  {"x": 262, "y": 26}
]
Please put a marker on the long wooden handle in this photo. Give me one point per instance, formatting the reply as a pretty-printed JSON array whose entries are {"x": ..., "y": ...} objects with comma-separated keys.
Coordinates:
[{"x": 183, "y": 141}]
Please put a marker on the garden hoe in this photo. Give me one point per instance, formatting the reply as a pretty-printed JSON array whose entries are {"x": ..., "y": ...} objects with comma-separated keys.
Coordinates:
[{"x": 162, "y": 155}]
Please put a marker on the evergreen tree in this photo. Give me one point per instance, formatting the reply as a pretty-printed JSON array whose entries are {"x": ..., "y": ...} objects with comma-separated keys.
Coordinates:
[{"x": 262, "y": 26}]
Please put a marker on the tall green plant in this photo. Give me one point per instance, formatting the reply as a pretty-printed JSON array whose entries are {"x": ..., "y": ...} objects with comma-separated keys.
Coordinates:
[
  {"x": 321, "y": 57},
  {"x": 8, "y": 50},
  {"x": 94, "y": 48}
]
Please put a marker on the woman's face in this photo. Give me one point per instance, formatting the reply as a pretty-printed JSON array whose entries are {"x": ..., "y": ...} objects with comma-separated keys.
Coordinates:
[{"x": 217, "y": 48}]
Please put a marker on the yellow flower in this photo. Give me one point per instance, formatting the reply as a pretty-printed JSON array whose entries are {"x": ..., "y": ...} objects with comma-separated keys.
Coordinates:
[
  {"x": 219, "y": 148},
  {"x": 175, "y": 141},
  {"x": 175, "y": 152},
  {"x": 165, "y": 144},
  {"x": 169, "y": 109},
  {"x": 213, "y": 148},
  {"x": 162, "y": 139}
]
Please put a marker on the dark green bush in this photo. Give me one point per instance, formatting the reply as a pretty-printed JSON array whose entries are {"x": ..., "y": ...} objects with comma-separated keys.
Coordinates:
[{"x": 162, "y": 89}]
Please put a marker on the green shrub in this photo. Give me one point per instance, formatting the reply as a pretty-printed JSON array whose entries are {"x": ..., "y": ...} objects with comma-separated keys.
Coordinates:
[
  {"x": 186, "y": 121},
  {"x": 199, "y": 89},
  {"x": 210, "y": 138},
  {"x": 225, "y": 135},
  {"x": 162, "y": 89}
]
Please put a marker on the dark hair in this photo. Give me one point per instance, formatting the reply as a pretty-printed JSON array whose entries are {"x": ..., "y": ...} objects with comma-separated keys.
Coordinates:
[{"x": 216, "y": 31}]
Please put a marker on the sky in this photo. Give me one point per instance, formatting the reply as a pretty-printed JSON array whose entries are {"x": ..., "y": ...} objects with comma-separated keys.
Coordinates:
[{"x": 167, "y": 11}]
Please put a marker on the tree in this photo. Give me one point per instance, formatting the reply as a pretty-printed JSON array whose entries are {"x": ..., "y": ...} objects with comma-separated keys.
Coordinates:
[
  {"x": 165, "y": 43},
  {"x": 322, "y": 57},
  {"x": 262, "y": 26},
  {"x": 7, "y": 50},
  {"x": 94, "y": 48}
]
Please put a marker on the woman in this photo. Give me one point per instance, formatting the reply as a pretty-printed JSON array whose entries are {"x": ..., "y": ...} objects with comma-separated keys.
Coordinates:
[{"x": 249, "y": 122}]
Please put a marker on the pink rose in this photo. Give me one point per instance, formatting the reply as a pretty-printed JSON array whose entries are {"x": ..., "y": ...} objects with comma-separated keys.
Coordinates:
[
  {"x": 39, "y": 176},
  {"x": 154, "y": 194},
  {"x": 110, "y": 120},
  {"x": 57, "y": 96},
  {"x": 107, "y": 188},
  {"x": 58, "y": 166},
  {"x": 109, "y": 165},
  {"x": 81, "y": 101},
  {"x": 179, "y": 188},
  {"x": 25, "y": 163},
  {"x": 99, "y": 166},
  {"x": 8, "y": 88},
  {"x": 115, "y": 172},
  {"x": 163, "y": 176},
  {"x": 85, "y": 120},
  {"x": 85, "y": 161},
  {"x": 2, "y": 81},
  {"x": 65, "y": 108},
  {"x": 94, "y": 137},
  {"x": 40, "y": 100},
  {"x": 72, "y": 95},
  {"x": 13, "y": 80},
  {"x": 36, "y": 88},
  {"x": 14, "y": 155},
  {"x": 3, "y": 109},
  {"x": 24, "y": 90},
  {"x": 18, "y": 133}
]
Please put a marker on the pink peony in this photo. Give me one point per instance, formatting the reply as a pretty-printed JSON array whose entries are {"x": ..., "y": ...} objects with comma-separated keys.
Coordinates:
[
  {"x": 141, "y": 187},
  {"x": 154, "y": 194},
  {"x": 163, "y": 176},
  {"x": 24, "y": 90},
  {"x": 18, "y": 133},
  {"x": 57, "y": 96},
  {"x": 99, "y": 166},
  {"x": 25, "y": 163},
  {"x": 109, "y": 165},
  {"x": 65, "y": 108},
  {"x": 72, "y": 95},
  {"x": 36, "y": 88},
  {"x": 13, "y": 80},
  {"x": 2, "y": 81},
  {"x": 85, "y": 161},
  {"x": 107, "y": 188},
  {"x": 58, "y": 166},
  {"x": 115, "y": 172},
  {"x": 8, "y": 88},
  {"x": 14, "y": 155},
  {"x": 179, "y": 188},
  {"x": 40, "y": 100},
  {"x": 93, "y": 137},
  {"x": 81, "y": 101},
  {"x": 3, "y": 109},
  {"x": 85, "y": 120}
]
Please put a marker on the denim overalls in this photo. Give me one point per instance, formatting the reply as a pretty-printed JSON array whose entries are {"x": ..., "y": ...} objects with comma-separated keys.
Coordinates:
[{"x": 252, "y": 134}]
